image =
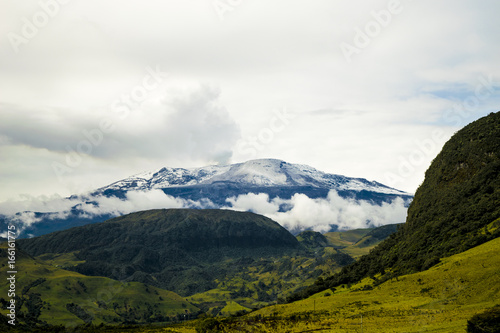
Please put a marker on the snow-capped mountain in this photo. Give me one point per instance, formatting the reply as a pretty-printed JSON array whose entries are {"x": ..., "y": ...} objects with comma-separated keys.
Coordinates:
[
  {"x": 260, "y": 173},
  {"x": 270, "y": 187}
]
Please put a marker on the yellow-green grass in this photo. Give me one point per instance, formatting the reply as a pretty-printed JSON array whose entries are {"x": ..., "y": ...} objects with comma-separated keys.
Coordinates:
[
  {"x": 356, "y": 252},
  {"x": 232, "y": 308},
  {"x": 348, "y": 241},
  {"x": 102, "y": 298},
  {"x": 61, "y": 260},
  {"x": 440, "y": 299},
  {"x": 346, "y": 238}
]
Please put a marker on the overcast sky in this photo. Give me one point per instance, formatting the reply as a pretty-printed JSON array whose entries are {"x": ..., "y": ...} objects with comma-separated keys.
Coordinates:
[{"x": 94, "y": 91}]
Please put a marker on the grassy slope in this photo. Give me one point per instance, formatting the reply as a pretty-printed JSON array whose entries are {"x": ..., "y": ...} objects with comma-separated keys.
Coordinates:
[
  {"x": 359, "y": 242},
  {"x": 116, "y": 299},
  {"x": 232, "y": 308},
  {"x": 440, "y": 299},
  {"x": 346, "y": 241},
  {"x": 346, "y": 238}
]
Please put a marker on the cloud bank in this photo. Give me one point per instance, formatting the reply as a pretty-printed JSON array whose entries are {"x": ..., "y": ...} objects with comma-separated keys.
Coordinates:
[
  {"x": 186, "y": 123},
  {"x": 297, "y": 213},
  {"x": 321, "y": 214}
]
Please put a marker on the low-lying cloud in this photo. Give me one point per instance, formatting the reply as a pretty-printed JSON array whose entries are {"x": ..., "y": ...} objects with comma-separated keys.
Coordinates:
[
  {"x": 323, "y": 213},
  {"x": 297, "y": 213}
]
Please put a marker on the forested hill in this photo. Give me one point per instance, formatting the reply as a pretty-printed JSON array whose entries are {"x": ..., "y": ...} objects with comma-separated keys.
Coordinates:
[
  {"x": 456, "y": 208},
  {"x": 183, "y": 250}
]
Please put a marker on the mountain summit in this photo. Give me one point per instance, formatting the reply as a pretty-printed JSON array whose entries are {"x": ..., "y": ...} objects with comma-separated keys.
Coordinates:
[{"x": 260, "y": 174}]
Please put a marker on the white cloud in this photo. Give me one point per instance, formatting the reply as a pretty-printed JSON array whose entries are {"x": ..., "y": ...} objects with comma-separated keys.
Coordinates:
[
  {"x": 322, "y": 213},
  {"x": 184, "y": 126},
  {"x": 26, "y": 219},
  {"x": 41, "y": 204},
  {"x": 257, "y": 203},
  {"x": 183, "y": 123},
  {"x": 59, "y": 207},
  {"x": 135, "y": 201},
  {"x": 298, "y": 213}
]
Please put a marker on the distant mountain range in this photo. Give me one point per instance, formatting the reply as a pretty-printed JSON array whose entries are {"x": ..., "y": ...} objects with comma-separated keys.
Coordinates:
[{"x": 208, "y": 187}]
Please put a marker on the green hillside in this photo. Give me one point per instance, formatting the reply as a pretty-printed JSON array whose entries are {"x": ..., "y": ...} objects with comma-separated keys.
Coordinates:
[
  {"x": 50, "y": 295},
  {"x": 436, "y": 272},
  {"x": 455, "y": 208},
  {"x": 375, "y": 236},
  {"x": 440, "y": 299},
  {"x": 358, "y": 242},
  {"x": 181, "y": 250},
  {"x": 213, "y": 256},
  {"x": 342, "y": 239},
  {"x": 443, "y": 298}
]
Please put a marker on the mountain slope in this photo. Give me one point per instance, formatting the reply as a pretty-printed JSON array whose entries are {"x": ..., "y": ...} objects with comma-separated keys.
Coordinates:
[
  {"x": 187, "y": 229},
  {"x": 441, "y": 299},
  {"x": 178, "y": 249},
  {"x": 455, "y": 208},
  {"x": 358, "y": 242},
  {"x": 46, "y": 294}
]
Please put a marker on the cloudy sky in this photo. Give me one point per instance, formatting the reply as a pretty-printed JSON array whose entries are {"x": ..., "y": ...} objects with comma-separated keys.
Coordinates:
[{"x": 94, "y": 91}]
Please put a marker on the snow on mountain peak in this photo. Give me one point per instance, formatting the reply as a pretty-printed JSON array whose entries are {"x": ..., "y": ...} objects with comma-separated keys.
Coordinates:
[
  {"x": 264, "y": 172},
  {"x": 259, "y": 173}
]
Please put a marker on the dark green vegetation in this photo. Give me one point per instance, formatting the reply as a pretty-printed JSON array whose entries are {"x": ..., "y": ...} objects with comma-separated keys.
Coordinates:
[
  {"x": 178, "y": 249},
  {"x": 456, "y": 208},
  {"x": 486, "y": 322},
  {"x": 441, "y": 299}
]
